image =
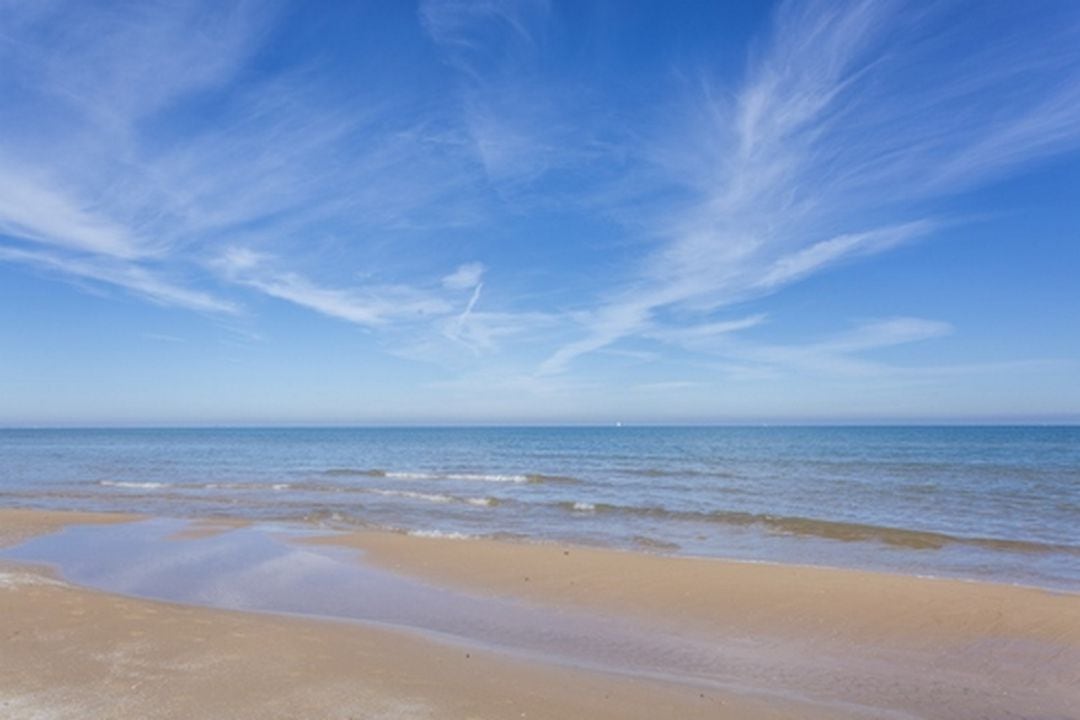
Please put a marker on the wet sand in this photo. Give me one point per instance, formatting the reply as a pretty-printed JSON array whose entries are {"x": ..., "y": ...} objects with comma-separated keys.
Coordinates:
[
  {"x": 921, "y": 647},
  {"x": 800, "y": 643},
  {"x": 803, "y": 601}
]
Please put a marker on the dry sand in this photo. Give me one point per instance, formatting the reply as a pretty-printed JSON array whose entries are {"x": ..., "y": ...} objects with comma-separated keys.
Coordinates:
[{"x": 860, "y": 645}]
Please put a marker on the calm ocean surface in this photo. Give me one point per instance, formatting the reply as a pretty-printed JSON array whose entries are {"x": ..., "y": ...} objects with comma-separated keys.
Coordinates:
[{"x": 999, "y": 503}]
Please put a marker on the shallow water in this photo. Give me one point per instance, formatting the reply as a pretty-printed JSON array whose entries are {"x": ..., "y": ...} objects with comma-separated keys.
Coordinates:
[{"x": 1000, "y": 503}]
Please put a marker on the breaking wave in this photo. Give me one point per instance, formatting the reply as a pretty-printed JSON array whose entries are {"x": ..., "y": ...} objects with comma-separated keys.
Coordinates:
[
  {"x": 521, "y": 478},
  {"x": 430, "y": 497},
  {"x": 132, "y": 485}
]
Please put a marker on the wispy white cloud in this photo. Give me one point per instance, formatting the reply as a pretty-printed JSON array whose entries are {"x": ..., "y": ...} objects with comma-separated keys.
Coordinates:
[
  {"x": 472, "y": 29},
  {"x": 828, "y": 150},
  {"x": 802, "y": 263},
  {"x": 848, "y": 354},
  {"x": 455, "y": 329},
  {"x": 667, "y": 386},
  {"x": 703, "y": 333},
  {"x": 134, "y": 278},
  {"x": 112, "y": 66},
  {"x": 487, "y": 332},
  {"x": 466, "y": 277},
  {"x": 144, "y": 150},
  {"x": 886, "y": 333},
  {"x": 135, "y": 134},
  {"x": 416, "y": 320},
  {"x": 34, "y": 212},
  {"x": 82, "y": 83},
  {"x": 163, "y": 337},
  {"x": 514, "y": 110},
  {"x": 371, "y": 305}
]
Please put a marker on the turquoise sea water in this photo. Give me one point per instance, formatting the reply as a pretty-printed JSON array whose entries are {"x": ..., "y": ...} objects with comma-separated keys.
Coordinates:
[{"x": 1000, "y": 503}]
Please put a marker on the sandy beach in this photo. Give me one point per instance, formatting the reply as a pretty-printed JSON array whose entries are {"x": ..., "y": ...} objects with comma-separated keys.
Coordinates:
[
  {"x": 539, "y": 360},
  {"x": 799, "y": 642}
]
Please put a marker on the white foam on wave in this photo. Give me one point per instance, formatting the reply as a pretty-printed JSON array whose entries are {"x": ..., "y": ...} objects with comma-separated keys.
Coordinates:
[
  {"x": 411, "y": 476},
  {"x": 137, "y": 485},
  {"x": 237, "y": 486},
  {"x": 430, "y": 497},
  {"x": 584, "y": 507},
  {"x": 467, "y": 477},
  {"x": 479, "y": 477},
  {"x": 481, "y": 502}
]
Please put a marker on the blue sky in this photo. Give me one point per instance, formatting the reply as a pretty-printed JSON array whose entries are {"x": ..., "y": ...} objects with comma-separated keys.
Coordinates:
[{"x": 530, "y": 211}]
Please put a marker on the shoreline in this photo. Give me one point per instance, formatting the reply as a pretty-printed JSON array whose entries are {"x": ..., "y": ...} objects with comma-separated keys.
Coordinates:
[
  {"x": 776, "y": 623},
  {"x": 208, "y": 524},
  {"x": 332, "y": 527},
  {"x": 967, "y": 503}
]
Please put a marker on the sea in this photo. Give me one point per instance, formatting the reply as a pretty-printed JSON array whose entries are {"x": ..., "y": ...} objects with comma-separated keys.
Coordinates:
[{"x": 984, "y": 503}]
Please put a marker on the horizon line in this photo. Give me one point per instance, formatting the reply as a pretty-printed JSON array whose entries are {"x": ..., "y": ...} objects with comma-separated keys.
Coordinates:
[{"x": 847, "y": 423}]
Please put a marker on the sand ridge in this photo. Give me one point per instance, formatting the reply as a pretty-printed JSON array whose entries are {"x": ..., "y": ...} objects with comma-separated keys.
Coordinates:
[
  {"x": 758, "y": 597},
  {"x": 927, "y": 647}
]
